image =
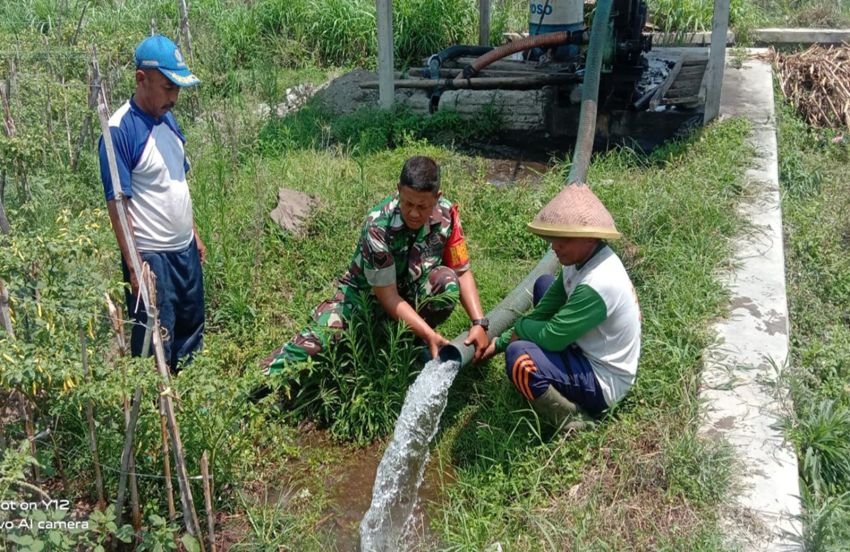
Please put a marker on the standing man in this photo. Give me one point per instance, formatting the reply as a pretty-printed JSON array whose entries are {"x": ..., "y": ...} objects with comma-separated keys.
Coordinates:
[
  {"x": 412, "y": 258},
  {"x": 576, "y": 354},
  {"x": 152, "y": 169}
]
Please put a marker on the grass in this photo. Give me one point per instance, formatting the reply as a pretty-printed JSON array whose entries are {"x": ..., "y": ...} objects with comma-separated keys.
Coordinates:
[
  {"x": 814, "y": 204},
  {"x": 804, "y": 13}
]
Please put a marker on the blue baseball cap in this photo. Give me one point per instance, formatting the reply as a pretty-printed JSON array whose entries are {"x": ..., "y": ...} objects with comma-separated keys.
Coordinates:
[{"x": 159, "y": 52}]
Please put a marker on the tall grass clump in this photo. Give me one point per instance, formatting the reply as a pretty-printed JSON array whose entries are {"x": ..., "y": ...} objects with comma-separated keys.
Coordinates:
[
  {"x": 804, "y": 13},
  {"x": 676, "y": 16},
  {"x": 370, "y": 130},
  {"x": 357, "y": 386},
  {"x": 814, "y": 206}
]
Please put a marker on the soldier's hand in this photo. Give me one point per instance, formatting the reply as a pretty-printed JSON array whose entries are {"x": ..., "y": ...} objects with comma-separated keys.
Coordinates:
[{"x": 435, "y": 342}]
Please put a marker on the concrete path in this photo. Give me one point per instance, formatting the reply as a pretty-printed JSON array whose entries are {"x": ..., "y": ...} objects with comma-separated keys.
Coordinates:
[{"x": 743, "y": 388}]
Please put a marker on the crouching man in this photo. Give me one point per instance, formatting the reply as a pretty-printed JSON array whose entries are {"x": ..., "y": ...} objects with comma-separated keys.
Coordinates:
[
  {"x": 576, "y": 353},
  {"x": 412, "y": 258}
]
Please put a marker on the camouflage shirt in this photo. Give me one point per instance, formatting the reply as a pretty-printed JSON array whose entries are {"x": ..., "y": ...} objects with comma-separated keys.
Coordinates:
[{"x": 390, "y": 253}]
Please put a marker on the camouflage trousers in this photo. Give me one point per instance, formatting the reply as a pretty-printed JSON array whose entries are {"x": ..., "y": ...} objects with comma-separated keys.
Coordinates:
[{"x": 434, "y": 296}]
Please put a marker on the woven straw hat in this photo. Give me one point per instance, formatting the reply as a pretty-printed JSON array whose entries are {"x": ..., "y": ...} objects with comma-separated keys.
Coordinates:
[{"x": 575, "y": 212}]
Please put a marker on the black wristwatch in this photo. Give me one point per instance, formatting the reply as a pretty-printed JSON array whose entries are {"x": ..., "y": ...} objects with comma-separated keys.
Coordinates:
[{"x": 483, "y": 322}]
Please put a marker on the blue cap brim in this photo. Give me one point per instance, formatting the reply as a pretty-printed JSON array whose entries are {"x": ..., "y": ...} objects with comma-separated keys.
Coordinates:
[{"x": 182, "y": 78}]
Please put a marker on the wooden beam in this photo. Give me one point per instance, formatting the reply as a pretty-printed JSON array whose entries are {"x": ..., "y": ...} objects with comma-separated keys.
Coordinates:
[
  {"x": 716, "y": 59},
  {"x": 386, "y": 92},
  {"x": 483, "y": 22}
]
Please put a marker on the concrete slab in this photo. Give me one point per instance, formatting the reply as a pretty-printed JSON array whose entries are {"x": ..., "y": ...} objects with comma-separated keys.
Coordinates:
[
  {"x": 742, "y": 388},
  {"x": 800, "y": 36}
]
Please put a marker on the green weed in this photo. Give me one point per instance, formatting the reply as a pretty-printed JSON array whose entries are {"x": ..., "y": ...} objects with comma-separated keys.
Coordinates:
[
  {"x": 814, "y": 204},
  {"x": 696, "y": 15}
]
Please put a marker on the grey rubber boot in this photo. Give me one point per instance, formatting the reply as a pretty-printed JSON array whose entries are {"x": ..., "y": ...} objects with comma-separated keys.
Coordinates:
[{"x": 557, "y": 410}]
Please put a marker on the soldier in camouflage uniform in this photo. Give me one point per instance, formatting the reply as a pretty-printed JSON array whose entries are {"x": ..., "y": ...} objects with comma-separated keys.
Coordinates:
[{"x": 412, "y": 258}]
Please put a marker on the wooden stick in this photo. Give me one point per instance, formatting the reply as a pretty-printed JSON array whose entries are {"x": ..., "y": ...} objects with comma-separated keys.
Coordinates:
[
  {"x": 57, "y": 458},
  {"x": 85, "y": 128},
  {"x": 73, "y": 39},
  {"x": 5, "y": 227},
  {"x": 28, "y": 426},
  {"x": 169, "y": 486},
  {"x": 184, "y": 28},
  {"x": 126, "y": 453},
  {"x": 98, "y": 476},
  {"x": 135, "y": 512},
  {"x": 115, "y": 318},
  {"x": 5, "y": 311},
  {"x": 190, "y": 516},
  {"x": 11, "y": 131},
  {"x": 208, "y": 502}
]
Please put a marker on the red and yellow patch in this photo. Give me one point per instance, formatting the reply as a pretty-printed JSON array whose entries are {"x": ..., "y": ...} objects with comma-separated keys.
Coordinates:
[{"x": 457, "y": 255}]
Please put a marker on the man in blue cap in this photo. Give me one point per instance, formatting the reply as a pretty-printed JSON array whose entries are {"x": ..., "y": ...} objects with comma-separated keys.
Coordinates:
[{"x": 152, "y": 169}]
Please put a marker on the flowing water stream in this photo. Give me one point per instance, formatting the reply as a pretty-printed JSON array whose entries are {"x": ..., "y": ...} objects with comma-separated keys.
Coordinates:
[{"x": 401, "y": 470}]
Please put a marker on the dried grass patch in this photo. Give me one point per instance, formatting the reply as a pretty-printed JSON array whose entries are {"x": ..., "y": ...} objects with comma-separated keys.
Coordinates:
[{"x": 817, "y": 82}]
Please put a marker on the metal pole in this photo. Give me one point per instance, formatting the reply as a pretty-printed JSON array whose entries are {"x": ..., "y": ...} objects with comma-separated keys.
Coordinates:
[
  {"x": 483, "y": 22},
  {"x": 385, "y": 53},
  {"x": 716, "y": 59}
]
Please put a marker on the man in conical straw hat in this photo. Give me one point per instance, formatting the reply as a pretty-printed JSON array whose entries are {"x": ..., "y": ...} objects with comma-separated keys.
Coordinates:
[{"x": 576, "y": 353}]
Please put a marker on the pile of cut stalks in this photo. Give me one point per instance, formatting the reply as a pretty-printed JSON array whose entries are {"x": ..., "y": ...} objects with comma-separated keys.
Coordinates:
[{"x": 817, "y": 82}]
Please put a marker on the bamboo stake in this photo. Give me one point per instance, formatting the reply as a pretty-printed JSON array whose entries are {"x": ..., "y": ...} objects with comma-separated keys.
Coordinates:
[
  {"x": 28, "y": 426},
  {"x": 184, "y": 28},
  {"x": 135, "y": 512},
  {"x": 98, "y": 477},
  {"x": 73, "y": 39},
  {"x": 115, "y": 318},
  {"x": 5, "y": 227},
  {"x": 5, "y": 312},
  {"x": 190, "y": 516},
  {"x": 125, "y": 454},
  {"x": 57, "y": 458},
  {"x": 85, "y": 128},
  {"x": 118, "y": 327},
  {"x": 11, "y": 131},
  {"x": 169, "y": 486},
  {"x": 208, "y": 502}
]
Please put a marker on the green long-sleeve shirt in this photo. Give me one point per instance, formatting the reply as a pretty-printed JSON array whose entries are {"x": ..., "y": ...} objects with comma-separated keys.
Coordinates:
[{"x": 557, "y": 321}]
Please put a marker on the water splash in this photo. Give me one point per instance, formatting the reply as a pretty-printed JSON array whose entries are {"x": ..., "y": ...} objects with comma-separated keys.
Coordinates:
[{"x": 402, "y": 468}]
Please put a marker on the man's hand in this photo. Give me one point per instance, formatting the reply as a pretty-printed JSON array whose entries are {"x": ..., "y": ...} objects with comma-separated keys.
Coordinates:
[
  {"x": 434, "y": 342},
  {"x": 480, "y": 340},
  {"x": 490, "y": 352},
  {"x": 134, "y": 283},
  {"x": 202, "y": 249}
]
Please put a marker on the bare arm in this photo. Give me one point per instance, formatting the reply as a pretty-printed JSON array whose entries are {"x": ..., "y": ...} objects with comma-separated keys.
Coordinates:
[
  {"x": 469, "y": 295},
  {"x": 112, "y": 208},
  {"x": 472, "y": 305},
  {"x": 199, "y": 243},
  {"x": 399, "y": 309}
]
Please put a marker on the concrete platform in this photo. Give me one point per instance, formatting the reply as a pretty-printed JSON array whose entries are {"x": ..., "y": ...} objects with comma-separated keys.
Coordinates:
[
  {"x": 800, "y": 36},
  {"x": 743, "y": 389}
]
